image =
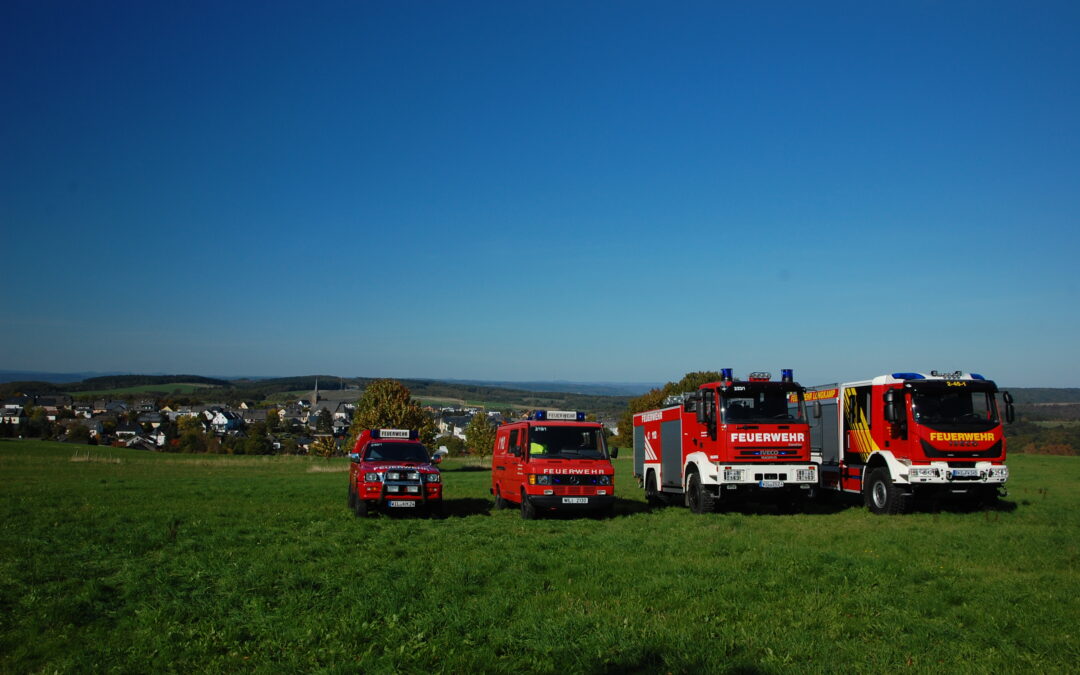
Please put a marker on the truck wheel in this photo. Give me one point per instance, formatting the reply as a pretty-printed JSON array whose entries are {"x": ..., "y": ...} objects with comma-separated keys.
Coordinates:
[
  {"x": 698, "y": 498},
  {"x": 881, "y": 496},
  {"x": 500, "y": 503},
  {"x": 352, "y": 498},
  {"x": 528, "y": 511},
  {"x": 652, "y": 496}
]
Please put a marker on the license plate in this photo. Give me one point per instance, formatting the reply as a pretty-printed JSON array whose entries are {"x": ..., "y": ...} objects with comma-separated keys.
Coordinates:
[
  {"x": 965, "y": 473},
  {"x": 393, "y": 503},
  {"x": 575, "y": 500},
  {"x": 771, "y": 484}
]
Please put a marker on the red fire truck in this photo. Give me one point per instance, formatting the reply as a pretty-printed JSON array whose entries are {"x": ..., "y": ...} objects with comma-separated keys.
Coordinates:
[
  {"x": 906, "y": 435},
  {"x": 391, "y": 470},
  {"x": 729, "y": 439},
  {"x": 553, "y": 461}
]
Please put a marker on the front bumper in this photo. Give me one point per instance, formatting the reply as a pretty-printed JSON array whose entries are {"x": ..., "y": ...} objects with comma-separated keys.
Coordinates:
[
  {"x": 560, "y": 503},
  {"x": 941, "y": 474}
]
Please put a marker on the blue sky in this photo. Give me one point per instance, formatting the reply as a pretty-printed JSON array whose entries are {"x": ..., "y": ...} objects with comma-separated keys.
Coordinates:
[{"x": 581, "y": 191}]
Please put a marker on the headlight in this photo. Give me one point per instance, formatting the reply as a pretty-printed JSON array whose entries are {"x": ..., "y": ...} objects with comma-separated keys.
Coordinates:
[
  {"x": 414, "y": 475},
  {"x": 393, "y": 475},
  {"x": 393, "y": 488},
  {"x": 543, "y": 480},
  {"x": 733, "y": 475},
  {"x": 922, "y": 472},
  {"x": 603, "y": 480},
  {"x": 432, "y": 478},
  {"x": 804, "y": 474},
  {"x": 1000, "y": 472},
  {"x": 371, "y": 477}
]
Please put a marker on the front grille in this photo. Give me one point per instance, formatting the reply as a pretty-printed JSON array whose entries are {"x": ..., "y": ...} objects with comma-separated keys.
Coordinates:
[
  {"x": 770, "y": 476},
  {"x": 573, "y": 490},
  {"x": 575, "y": 479}
]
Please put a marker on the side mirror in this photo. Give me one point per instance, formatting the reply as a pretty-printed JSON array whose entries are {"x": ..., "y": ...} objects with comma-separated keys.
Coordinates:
[
  {"x": 817, "y": 410},
  {"x": 893, "y": 413},
  {"x": 702, "y": 408},
  {"x": 1010, "y": 412},
  {"x": 613, "y": 452},
  {"x": 436, "y": 458},
  {"x": 354, "y": 456}
]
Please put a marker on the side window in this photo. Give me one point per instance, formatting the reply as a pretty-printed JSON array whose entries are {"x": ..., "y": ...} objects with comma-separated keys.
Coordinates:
[
  {"x": 857, "y": 411},
  {"x": 514, "y": 439}
]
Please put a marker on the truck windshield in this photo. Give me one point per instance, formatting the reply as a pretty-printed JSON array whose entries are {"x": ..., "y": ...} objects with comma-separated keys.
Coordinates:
[
  {"x": 749, "y": 404},
  {"x": 569, "y": 442},
  {"x": 952, "y": 406},
  {"x": 398, "y": 452}
]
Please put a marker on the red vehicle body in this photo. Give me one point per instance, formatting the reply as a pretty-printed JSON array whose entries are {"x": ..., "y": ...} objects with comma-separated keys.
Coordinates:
[
  {"x": 898, "y": 436},
  {"x": 727, "y": 440},
  {"x": 392, "y": 470},
  {"x": 553, "y": 461}
]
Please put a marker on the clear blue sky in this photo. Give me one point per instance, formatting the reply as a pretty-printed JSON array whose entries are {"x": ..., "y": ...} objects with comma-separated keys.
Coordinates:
[{"x": 582, "y": 190}]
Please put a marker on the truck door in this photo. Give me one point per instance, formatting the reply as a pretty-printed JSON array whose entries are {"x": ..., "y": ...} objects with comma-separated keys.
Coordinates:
[
  {"x": 515, "y": 456},
  {"x": 498, "y": 460},
  {"x": 671, "y": 455}
]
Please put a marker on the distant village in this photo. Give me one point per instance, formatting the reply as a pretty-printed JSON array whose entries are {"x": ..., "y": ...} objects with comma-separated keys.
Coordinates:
[{"x": 296, "y": 427}]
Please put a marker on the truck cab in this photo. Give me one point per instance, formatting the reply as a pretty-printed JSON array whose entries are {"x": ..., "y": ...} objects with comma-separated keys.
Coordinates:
[
  {"x": 729, "y": 440},
  {"x": 896, "y": 437},
  {"x": 554, "y": 461},
  {"x": 391, "y": 470}
]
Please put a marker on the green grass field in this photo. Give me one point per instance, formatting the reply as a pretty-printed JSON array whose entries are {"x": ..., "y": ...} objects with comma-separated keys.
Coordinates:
[{"x": 131, "y": 561}]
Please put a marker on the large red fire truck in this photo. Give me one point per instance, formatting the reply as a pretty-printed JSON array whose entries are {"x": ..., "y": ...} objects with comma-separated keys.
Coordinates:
[
  {"x": 553, "y": 461},
  {"x": 392, "y": 470},
  {"x": 899, "y": 436},
  {"x": 729, "y": 439}
]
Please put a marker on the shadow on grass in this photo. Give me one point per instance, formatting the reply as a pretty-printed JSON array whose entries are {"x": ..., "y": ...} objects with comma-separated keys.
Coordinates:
[{"x": 463, "y": 508}]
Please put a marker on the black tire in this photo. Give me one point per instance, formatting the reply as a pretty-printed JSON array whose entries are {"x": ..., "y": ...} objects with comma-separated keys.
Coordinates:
[
  {"x": 882, "y": 497},
  {"x": 352, "y": 497},
  {"x": 698, "y": 498},
  {"x": 652, "y": 496},
  {"x": 528, "y": 511},
  {"x": 500, "y": 503}
]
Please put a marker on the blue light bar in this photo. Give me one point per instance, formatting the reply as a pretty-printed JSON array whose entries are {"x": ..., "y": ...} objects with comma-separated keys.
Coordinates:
[
  {"x": 787, "y": 375},
  {"x": 976, "y": 376},
  {"x": 726, "y": 373},
  {"x": 908, "y": 376}
]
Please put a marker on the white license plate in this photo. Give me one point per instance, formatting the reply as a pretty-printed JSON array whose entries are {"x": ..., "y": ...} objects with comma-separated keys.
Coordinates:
[
  {"x": 575, "y": 500},
  {"x": 771, "y": 484},
  {"x": 965, "y": 473},
  {"x": 393, "y": 503}
]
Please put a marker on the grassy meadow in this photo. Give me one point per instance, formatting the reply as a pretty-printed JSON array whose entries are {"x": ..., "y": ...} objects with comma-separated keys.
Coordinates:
[{"x": 123, "y": 560}]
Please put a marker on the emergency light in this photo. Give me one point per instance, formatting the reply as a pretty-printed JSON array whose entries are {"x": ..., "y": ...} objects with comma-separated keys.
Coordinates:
[
  {"x": 908, "y": 376},
  {"x": 955, "y": 375},
  {"x": 760, "y": 376},
  {"x": 787, "y": 375},
  {"x": 558, "y": 415},
  {"x": 408, "y": 434},
  {"x": 726, "y": 374}
]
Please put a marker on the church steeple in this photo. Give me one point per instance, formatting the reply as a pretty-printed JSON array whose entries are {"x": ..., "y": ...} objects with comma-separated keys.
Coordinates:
[{"x": 315, "y": 394}]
